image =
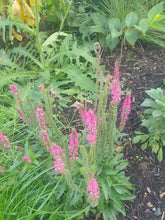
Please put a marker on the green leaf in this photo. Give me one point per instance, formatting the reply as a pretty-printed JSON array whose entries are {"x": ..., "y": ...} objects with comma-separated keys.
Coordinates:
[
  {"x": 148, "y": 103},
  {"x": 122, "y": 165},
  {"x": 155, "y": 147},
  {"x": 114, "y": 23},
  {"x": 105, "y": 189},
  {"x": 131, "y": 36},
  {"x": 116, "y": 33},
  {"x": 52, "y": 38},
  {"x": 156, "y": 93},
  {"x": 111, "y": 42},
  {"x": 160, "y": 154},
  {"x": 153, "y": 12},
  {"x": 144, "y": 146},
  {"x": 142, "y": 26},
  {"x": 137, "y": 139},
  {"x": 158, "y": 26},
  {"x": 159, "y": 17},
  {"x": 156, "y": 113},
  {"x": 131, "y": 19}
]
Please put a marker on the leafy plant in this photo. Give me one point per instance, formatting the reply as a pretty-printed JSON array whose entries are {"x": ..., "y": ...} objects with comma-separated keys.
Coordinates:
[
  {"x": 111, "y": 30},
  {"x": 89, "y": 173},
  {"x": 154, "y": 122}
]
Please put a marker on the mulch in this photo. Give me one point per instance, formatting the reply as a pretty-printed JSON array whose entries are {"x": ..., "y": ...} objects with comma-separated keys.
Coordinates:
[{"x": 142, "y": 68}]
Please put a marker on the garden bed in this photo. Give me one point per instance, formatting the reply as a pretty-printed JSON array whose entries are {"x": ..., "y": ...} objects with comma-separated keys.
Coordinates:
[{"x": 142, "y": 70}]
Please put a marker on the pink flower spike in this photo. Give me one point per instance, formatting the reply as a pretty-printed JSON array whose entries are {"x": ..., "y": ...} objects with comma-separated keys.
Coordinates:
[
  {"x": 93, "y": 188},
  {"x": 89, "y": 120},
  {"x": 125, "y": 110},
  {"x": 26, "y": 158},
  {"x": 74, "y": 145},
  {"x": 4, "y": 140},
  {"x": 19, "y": 148},
  {"x": 115, "y": 86},
  {"x": 1, "y": 169},
  {"x": 14, "y": 89}
]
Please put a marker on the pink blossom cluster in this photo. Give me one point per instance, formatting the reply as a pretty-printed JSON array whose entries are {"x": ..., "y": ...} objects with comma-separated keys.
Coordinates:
[
  {"x": 21, "y": 115},
  {"x": 125, "y": 109},
  {"x": 40, "y": 115},
  {"x": 41, "y": 86},
  {"x": 1, "y": 169},
  {"x": 57, "y": 151},
  {"x": 115, "y": 86},
  {"x": 98, "y": 53},
  {"x": 74, "y": 145},
  {"x": 59, "y": 165},
  {"x": 14, "y": 90},
  {"x": 89, "y": 120},
  {"x": 4, "y": 140},
  {"x": 93, "y": 188},
  {"x": 26, "y": 158}
]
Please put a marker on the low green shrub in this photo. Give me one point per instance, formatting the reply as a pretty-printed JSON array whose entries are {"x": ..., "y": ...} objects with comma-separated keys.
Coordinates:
[{"x": 154, "y": 122}]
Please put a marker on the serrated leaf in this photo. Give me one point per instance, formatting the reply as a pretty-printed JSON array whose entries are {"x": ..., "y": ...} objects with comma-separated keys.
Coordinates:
[
  {"x": 53, "y": 37},
  {"x": 131, "y": 36},
  {"x": 131, "y": 19}
]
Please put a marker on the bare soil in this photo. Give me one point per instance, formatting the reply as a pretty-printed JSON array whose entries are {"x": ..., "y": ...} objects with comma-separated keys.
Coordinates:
[{"x": 142, "y": 69}]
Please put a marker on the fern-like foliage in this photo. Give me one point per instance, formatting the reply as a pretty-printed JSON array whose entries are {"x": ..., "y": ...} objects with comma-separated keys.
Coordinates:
[{"x": 12, "y": 24}]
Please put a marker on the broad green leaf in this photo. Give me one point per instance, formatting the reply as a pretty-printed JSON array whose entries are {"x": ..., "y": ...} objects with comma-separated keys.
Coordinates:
[
  {"x": 131, "y": 36},
  {"x": 144, "y": 146},
  {"x": 153, "y": 12},
  {"x": 160, "y": 154},
  {"x": 155, "y": 147},
  {"x": 142, "y": 26},
  {"x": 156, "y": 113},
  {"x": 114, "y": 23},
  {"x": 148, "y": 103},
  {"x": 116, "y": 33},
  {"x": 131, "y": 19},
  {"x": 111, "y": 42},
  {"x": 156, "y": 93},
  {"x": 137, "y": 139}
]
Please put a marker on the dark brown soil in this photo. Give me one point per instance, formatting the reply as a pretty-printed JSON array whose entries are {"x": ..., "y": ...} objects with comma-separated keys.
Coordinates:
[{"x": 142, "y": 69}]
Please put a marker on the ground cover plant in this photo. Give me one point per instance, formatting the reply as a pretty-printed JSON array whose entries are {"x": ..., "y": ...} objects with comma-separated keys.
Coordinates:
[{"x": 117, "y": 22}]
